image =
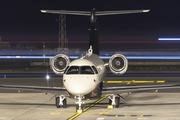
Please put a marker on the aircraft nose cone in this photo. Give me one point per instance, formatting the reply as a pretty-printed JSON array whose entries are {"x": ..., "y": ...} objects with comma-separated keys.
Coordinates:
[
  {"x": 79, "y": 89},
  {"x": 79, "y": 86}
]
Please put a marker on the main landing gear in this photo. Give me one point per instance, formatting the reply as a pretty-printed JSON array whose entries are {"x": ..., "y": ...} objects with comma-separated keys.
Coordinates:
[
  {"x": 113, "y": 101},
  {"x": 61, "y": 101}
]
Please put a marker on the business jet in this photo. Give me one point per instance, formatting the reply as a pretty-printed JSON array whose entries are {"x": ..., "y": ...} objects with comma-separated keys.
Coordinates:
[{"x": 83, "y": 77}]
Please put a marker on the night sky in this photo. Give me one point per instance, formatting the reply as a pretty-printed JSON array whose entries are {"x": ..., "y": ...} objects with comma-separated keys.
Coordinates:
[{"x": 23, "y": 21}]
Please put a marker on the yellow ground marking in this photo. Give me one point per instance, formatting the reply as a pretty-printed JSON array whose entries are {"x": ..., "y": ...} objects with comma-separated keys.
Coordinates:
[
  {"x": 74, "y": 116},
  {"x": 54, "y": 113},
  {"x": 134, "y": 81},
  {"x": 96, "y": 102},
  {"x": 160, "y": 81},
  {"x": 77, "y": 114},
  {"x": 88, "y": 113},
  {"x": 70, "y": 113},
  {"x": 59, "y": 110},
  {"x": 71, "y": 110},
  {"x": 106, "y": 110},
  {"x": 102, "y": 113},
  {"x": 93, "y": 110},
  {"x": 130, "y": 115}
]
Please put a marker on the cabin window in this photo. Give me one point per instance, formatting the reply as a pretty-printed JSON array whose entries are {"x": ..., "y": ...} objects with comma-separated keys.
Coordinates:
[
  {"x": 80, "y": 70},
  {"x": 95, "y": 70}
]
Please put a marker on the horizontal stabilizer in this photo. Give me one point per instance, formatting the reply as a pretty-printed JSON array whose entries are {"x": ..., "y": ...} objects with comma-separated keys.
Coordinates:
[
  {"x": 97, "y": 13},
  {"x": 85, "y": 13}
]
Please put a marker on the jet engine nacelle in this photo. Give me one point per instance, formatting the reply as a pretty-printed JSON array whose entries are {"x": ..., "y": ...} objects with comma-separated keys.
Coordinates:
[
  {"x": 59, "y": 63},
  {"x": 118, "y": 64}
]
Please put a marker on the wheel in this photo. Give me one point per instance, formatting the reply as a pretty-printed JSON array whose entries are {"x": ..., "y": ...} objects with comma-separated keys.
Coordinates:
[
  {"x": 110, "y": 102},
  {"x": 57, "y": 102},
  {"x": 65, "y": 103},
  {"x": 82, "y": 107},
  {"x": 77, "y": 108},
  {"x": 117, "y": 100},
  {"x": 101, "y": 85}
]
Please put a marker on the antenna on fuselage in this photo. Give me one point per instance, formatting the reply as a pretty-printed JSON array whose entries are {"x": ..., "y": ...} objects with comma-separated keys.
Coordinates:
[{"x": 90, "y": 51}]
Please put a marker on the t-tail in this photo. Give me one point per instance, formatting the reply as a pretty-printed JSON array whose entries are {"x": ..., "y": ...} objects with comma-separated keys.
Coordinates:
[{"x": 94, "y": 35}]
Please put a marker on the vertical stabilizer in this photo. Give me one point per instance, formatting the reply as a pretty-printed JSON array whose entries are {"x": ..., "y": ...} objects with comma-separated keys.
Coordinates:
[
  {"x": 94, "y": 35},
  {"x": 94, "y": 38}
]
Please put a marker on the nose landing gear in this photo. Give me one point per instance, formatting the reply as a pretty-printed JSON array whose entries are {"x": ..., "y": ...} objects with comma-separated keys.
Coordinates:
[
  {"x": 61, "y": 101},
  {"x": 79, "y": 108}
]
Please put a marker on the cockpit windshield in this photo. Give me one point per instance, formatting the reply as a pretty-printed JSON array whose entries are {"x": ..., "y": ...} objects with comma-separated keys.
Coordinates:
[
  {"x": 73, "y": 70},
  {"x": 80, "y": 70}
]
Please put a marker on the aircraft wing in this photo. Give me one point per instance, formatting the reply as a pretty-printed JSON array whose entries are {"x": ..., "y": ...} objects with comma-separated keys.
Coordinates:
[
  {"x": 34, "y": 88},
  {"x": 113, "y": 90}
]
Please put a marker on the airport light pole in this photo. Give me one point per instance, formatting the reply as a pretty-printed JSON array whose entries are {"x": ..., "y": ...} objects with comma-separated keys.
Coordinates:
[{"x": 62, "y": 44}]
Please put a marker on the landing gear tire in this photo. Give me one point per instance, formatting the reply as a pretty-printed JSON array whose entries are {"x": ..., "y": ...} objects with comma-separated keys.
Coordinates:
[
  {"x": 64, "y": 103},
  {"x": 79, "y": 110},
  {"x": 57, "y": 102},
  {"x": 117, "y": 100},
  {"x": 110, "y": 102},
  {"x": 82, "y": 108}
]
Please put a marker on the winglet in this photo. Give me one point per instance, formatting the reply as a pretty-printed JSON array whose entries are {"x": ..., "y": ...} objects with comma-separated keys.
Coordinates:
[
  {"x": 146, "y": 10},
  {"x": 43, "y": 11}
]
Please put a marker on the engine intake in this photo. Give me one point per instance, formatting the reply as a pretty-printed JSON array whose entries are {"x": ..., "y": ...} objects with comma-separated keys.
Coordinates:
[
  {"x": 60, "y": 63},
  {"x": 118, "y": 64}
]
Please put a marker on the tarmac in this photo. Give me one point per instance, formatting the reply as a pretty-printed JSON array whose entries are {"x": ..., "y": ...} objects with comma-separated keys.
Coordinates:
[
  {"x": 38, "y": 106},
  {"x": 146, "y": 105}
]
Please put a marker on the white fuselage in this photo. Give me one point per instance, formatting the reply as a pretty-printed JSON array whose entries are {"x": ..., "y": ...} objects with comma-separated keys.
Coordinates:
[{"x": 81, "y": 77}]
